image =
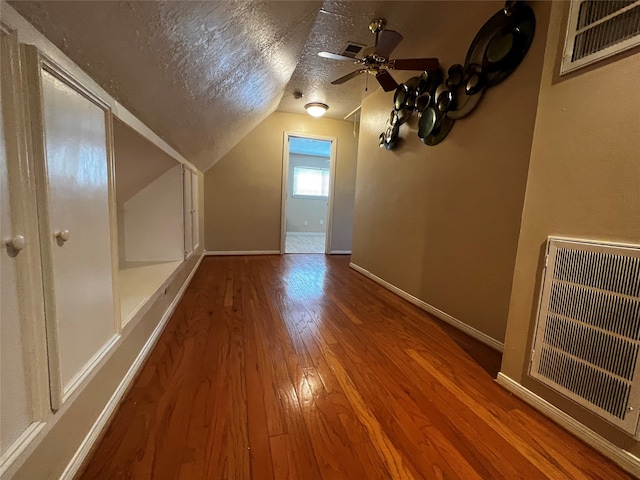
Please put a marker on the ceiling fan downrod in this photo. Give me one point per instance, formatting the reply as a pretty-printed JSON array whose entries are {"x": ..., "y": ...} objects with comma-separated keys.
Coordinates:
[{"x": 376, "y": 26}]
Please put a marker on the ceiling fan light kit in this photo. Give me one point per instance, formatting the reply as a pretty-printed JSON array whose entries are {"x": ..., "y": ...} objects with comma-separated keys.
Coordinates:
[{"x": 316, "y": 109}]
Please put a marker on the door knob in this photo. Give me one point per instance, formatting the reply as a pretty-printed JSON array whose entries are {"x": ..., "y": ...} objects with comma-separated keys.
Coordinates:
[
  {"x": 17, "y": 243},
  {"x": 63, "y": 236}
]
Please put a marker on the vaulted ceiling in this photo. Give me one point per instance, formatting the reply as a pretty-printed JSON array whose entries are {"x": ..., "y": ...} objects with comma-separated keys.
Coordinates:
[{"x": 202, "y": 75}]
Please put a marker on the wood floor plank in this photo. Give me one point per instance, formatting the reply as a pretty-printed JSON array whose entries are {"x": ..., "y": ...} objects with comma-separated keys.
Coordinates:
[
  {"x": 297, "y": 367},
  {"x": 526, "y": 449},
  {"x": 258, "y": 427}
]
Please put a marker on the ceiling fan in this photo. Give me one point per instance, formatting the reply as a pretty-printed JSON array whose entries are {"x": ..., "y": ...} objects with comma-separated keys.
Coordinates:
[{"x": 377, "y": 63}]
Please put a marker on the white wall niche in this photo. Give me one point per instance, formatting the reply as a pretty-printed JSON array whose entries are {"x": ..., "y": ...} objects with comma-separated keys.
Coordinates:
[{"x": 149, "y": 199}]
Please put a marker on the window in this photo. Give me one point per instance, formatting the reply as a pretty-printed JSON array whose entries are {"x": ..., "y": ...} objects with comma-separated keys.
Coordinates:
[
  {"x": 310, "y": 182},
  {"x": 598, "y": 29}
]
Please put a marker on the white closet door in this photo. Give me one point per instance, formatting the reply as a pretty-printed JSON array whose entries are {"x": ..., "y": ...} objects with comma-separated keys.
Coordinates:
[
  {"x": 188, "y": 221},
  {"x": 74, "y": 211},
  {"x": 15, "y": 410},
  {"x": 24, "y": 389},
  {"x": 195, "y": 213}
]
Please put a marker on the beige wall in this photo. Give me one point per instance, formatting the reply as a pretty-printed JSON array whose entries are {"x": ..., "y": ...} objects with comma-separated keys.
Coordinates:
[
  {"x": 442, "y": 223},
  {"x": 243, "y": 191},
  {"x": 584, "y": 182}
]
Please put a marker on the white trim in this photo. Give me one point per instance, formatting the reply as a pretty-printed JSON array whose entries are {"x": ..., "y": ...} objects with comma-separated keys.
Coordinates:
[
  {"x": 103, "y": 419},
  {"x": 332, "y": 190},
  {"x": 472, "y": 332},
  {"x": 591, "y": 241},
  {"x": 121, "y": 113},
  {"x": 241, "y": 252},
  {"x": 283, "y": 193},
  {"x": 354, "y": 111},
  {"x": 80, "y": 378},
  {"x": 623, "y": 458},
  {"x": 340, "y": 252},
  {"x": 307, "y": 233},
  {"x": 285, "y": 186},
  {"x": 18, "y": 447}
]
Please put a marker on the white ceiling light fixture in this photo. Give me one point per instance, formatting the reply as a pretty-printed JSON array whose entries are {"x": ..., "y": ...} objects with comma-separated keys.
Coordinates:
[{"x": 316, "y": 109}]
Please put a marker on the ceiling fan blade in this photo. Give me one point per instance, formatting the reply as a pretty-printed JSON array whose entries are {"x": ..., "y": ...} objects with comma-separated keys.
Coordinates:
[
  {"x": 386, "y": 81},
  {"x": 387, "y": 42},
  {"x": 335, "y": 56},
  {"x": 348, "y": 77},
  {"x": 425, "y": 64}
]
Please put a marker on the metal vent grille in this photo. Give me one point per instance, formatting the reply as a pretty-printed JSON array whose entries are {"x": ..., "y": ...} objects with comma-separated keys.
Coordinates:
[
  {"x": 587, "y": 341},
  {"x": 352, "y": 50},
  {"x": 598, "y": 29}
]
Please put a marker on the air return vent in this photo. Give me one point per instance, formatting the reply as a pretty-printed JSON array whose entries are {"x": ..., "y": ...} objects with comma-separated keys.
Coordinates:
[
  {"x": 353, "y": 50},
  {"x": 597, "y": 29},
  {"x": 587, "y": 335}
]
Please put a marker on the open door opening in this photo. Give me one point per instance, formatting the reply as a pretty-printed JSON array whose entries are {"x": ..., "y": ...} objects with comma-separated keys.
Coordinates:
[{"x": 308, "y": 167}]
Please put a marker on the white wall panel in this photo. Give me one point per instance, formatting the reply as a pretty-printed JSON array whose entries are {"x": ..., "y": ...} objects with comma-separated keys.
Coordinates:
[
  {"x": 74, "y": 198},
  {"x": 24, "y": 381},
  {"x": 188, "y": 214},
  {"x": 195, "y": 212},
  {"x": 153, "y": 226},
  {"x": 15, "y": 413}
]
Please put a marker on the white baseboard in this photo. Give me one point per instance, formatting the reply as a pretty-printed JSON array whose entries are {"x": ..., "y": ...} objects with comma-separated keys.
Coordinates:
[
  {"x": 241, "y": 252},
  {"x": 340, "y": 252},
  {"x": 103, "y": 419},
  {"x": 472, "y": 332},
  {"x": 8, "y": 460},
  {"x": 623, "y": 458}
]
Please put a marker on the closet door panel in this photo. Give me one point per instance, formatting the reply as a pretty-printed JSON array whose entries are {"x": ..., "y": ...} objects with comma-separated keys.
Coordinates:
[
  {"x": 191, "y": 213},
  {"x": 80, "y": 310},
  {"x": 15, "y": 412},
  {"x": 195, "y": 213},
  {"x": 187, "y": 199},
  {"x": 24, "y": 381}
]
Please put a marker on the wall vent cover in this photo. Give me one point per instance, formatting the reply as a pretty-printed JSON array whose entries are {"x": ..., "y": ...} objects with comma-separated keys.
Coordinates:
[
  {"x": 587, "y": 336},
  {"x": 597, "y": 29}
]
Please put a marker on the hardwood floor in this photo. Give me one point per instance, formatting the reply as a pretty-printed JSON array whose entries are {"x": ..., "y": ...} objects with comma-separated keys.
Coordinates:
[{"x": 298, "y": 367}]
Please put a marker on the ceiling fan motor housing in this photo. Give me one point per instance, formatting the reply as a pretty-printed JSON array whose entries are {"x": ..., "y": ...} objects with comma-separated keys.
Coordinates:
[{"x": 377, "y": 25}]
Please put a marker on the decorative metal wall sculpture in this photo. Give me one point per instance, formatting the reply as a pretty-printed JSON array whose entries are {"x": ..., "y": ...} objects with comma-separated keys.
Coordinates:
[{"x": 495, "y": 52}]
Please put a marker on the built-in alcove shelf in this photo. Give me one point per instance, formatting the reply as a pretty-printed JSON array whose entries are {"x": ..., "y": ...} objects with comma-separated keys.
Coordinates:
[
  {"x": 149, "y": 204},
  {"x": 139, "y": 282}
]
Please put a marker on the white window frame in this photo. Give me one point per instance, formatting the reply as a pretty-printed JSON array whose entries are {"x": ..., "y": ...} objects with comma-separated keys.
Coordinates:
[{"x": 325, "y": 179}]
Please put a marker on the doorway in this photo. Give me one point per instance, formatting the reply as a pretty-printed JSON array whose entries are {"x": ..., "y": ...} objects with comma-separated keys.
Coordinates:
[{"x": 307, "y": 193}]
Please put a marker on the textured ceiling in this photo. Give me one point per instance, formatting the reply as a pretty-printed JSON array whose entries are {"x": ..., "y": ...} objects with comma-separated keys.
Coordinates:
[{"x": 202, "y": 75}]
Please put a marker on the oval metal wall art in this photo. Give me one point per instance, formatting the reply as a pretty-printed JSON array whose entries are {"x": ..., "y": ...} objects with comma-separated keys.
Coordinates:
[{"x": 495, "y": 52}]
